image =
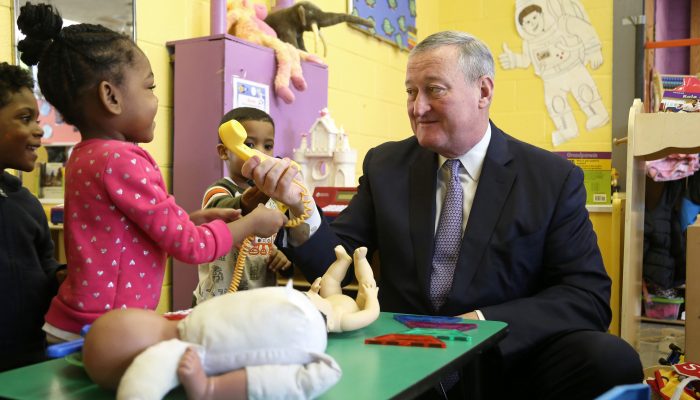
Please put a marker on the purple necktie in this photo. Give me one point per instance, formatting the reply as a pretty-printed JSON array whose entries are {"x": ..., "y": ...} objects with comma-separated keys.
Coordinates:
[{"x": 447, "y": 238}]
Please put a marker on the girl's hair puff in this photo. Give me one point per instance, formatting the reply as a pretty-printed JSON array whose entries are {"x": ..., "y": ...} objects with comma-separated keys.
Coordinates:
[
  {"x": 12, "y": 80},
  {"x": 73, "y": 59}
]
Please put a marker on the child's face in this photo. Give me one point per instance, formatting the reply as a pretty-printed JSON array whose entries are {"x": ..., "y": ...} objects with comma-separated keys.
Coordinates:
[
  {"x": 533, "y": 23},
  {"x": 141, "y": 104},
  {"x": 20, "y": 134},
  {"x": 261, "y": 137}
]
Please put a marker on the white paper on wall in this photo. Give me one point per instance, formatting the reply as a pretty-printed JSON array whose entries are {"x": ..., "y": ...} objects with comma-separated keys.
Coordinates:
[{"x": 560, "y": 42}]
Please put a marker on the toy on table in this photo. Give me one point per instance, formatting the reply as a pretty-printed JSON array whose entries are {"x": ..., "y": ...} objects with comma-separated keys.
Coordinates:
[
  {"x": 342, "y": 312},
  {"x": 244, "y": 19},
  {"x": 443, "y": 334},
  {"x": 275, "y": 333},
  {"x": 400, "y": 339},
  {"x": 69, "y": 350},
  {"x": 290, "y": 23}
]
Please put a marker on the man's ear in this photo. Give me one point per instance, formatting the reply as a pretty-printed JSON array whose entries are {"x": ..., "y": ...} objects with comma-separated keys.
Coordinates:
[
  {"x": 110, "y": 97},
  {"x": 486, "y": 88}
]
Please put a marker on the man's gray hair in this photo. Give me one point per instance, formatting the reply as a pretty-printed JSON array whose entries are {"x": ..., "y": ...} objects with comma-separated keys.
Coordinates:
[{"x": 475, "y": 58}]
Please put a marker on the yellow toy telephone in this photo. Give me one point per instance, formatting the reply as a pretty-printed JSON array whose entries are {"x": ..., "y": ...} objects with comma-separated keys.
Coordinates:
[{"x": 233, "y": 136}]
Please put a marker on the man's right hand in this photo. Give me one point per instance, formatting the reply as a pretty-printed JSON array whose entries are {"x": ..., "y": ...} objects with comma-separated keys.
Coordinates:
[{"x": 276, "y": 178}]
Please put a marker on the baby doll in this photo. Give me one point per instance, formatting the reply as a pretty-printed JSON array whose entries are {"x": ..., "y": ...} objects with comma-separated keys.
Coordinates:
[
  {"x": 342, "y": 312},
  {"x": 275, "y": 333},
  {"x": 245, "y": 20}
]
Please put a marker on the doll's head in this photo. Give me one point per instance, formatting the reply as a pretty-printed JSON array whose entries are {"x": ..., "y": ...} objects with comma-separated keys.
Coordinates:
[
  {"x": 20, "y": 134},
  {"x": 90, "y": 74},
  {"x": 117, "y": 337}
]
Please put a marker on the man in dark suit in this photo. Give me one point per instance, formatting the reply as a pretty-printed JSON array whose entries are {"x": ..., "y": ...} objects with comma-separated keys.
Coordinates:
[{"x": 528, "y": 253}]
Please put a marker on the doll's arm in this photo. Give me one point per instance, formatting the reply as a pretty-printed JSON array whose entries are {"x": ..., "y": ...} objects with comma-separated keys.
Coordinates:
[
  {"x": 293, "y": 381},
  {"x": 153, "y": 373}
]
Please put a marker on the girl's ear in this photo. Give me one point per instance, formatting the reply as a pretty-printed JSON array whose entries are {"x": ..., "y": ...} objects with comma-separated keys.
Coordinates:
[{"x": 110, "y": 97}]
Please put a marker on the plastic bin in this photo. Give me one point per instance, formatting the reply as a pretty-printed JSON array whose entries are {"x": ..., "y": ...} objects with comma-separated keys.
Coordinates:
[{"x": 663, "y": 308}]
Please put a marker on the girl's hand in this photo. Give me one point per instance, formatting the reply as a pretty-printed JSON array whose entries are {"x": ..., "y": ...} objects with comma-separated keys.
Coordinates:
[
  {"x": 210, "y": 214},
  {"x": 265, "y": 222},
  {"x": 278, "y": 261}
]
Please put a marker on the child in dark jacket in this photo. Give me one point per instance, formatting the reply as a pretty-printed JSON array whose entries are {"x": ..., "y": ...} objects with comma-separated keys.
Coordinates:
[{"x": 29, "y": 274}]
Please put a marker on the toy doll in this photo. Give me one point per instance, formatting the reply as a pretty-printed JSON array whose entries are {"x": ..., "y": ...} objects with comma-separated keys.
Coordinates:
[
  {"x": 342, "y": 312},
  {"x": 261, "y": 343}
]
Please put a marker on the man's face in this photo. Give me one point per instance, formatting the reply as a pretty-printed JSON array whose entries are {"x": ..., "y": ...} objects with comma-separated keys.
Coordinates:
[
  {"x": 20, "y": 134},
  {"x": 447, "y": 114},
  {"x": 533, "y": 23}
]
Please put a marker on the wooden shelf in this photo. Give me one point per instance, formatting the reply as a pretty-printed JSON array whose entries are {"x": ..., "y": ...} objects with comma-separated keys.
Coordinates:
[{"x": 663, "y": 321}]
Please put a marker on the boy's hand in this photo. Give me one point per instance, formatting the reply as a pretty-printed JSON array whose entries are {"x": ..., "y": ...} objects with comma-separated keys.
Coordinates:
[
  {"x": 266, "y": 221},
  {"x": 278, "y": 261},
  {"x": 275, "y": 178},
  {"x": 210, "y": 214}
]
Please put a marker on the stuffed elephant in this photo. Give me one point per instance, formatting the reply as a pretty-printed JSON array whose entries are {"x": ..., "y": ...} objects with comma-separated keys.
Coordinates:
[{"x": 291, "y": 23}]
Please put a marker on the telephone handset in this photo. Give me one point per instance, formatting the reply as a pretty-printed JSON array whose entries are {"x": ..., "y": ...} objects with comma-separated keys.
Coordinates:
[{"x": 233, "y": 136}]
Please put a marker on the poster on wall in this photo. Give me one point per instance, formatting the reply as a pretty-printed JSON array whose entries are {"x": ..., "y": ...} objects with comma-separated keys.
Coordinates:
[
  {"x": 251, "y": 94},
  {"x": 560, "y": 42},
  {"x": 597, "y": 168},
  {"x": 394, "y": 20}
]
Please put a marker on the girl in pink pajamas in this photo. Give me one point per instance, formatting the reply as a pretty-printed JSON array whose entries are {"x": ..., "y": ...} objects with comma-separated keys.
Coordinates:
[{"x": 120, "y": 221}]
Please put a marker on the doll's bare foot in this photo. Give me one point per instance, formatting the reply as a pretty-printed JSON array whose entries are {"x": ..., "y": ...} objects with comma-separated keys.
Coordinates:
[{"x": 191, "y": 375}]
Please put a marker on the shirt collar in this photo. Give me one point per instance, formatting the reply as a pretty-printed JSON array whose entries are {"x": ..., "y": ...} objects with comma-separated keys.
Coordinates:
[{"x": 473, "y": 160}]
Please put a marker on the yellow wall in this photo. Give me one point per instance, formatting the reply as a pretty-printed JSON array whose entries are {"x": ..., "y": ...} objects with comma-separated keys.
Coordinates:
[{"x": 6, "y": 31}]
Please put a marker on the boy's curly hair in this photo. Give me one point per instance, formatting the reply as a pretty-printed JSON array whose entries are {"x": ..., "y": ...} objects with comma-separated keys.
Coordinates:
[{"x": 12, "y": 79}]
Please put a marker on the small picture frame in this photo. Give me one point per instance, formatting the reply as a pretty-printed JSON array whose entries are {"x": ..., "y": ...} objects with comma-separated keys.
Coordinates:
[{"x": 251, "y": 94}]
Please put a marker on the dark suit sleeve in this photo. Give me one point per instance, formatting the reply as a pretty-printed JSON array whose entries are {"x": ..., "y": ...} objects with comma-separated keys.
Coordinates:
[
  {"x": 353, "y": 228},
  {"x": 574, "y": 289}
]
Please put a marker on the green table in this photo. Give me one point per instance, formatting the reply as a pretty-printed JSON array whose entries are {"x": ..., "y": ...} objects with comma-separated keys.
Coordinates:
[{"x": 369, "y": 371}]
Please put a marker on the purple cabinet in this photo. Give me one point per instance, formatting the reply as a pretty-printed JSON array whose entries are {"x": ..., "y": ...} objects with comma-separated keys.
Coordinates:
[{"x": 204, "y": 70}]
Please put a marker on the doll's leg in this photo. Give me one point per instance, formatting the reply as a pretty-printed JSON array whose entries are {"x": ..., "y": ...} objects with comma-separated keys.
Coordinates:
[
  {"x": 330, "y": 284},
  {"x": 363, "y": 271},
  {"x": 367, "y": 291},
  {"x": 229, "y": 385}
]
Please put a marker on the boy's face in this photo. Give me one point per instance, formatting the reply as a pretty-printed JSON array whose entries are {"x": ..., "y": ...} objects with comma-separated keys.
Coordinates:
[
  {"x": 533, "y": 23},
  {"x": 20, "y": 134},
  {"x": 261, "y": 137}
]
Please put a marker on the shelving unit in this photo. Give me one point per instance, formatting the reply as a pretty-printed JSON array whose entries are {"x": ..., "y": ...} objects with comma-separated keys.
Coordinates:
[{"x": 652, "y": 136}]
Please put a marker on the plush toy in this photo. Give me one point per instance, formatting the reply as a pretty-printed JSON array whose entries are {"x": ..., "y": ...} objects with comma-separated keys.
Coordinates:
[
  {"x": 291, "y": 23},
  {"x": 245, "y": 20}
]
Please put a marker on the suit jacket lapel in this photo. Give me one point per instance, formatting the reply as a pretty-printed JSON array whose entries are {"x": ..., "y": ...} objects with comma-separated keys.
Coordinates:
[
  {"x": 494, "y": 185},
  {"x": 422, "y": 185}
]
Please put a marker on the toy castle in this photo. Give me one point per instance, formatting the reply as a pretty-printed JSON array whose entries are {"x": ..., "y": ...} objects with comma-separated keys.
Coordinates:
[{"x": 325, "y": 156}]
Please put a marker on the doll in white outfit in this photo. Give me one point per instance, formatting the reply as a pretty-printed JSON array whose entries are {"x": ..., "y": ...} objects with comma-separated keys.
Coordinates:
[{"x": 262, "y": 343}]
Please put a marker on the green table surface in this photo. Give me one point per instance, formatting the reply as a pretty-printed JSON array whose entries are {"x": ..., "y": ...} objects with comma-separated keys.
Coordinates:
[{"x": 369, "y": 371}]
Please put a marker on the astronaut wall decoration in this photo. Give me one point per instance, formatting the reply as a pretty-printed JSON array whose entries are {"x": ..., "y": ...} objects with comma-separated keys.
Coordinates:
[{"x": 559, "y": 41}]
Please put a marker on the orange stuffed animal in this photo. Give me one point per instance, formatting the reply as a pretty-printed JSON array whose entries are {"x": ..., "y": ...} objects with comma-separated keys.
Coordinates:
[{"x": 245, "y": 20}]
